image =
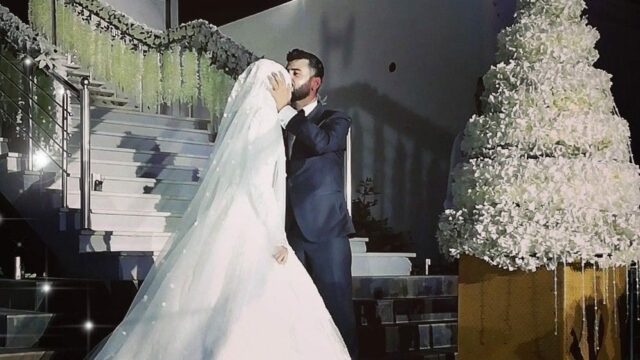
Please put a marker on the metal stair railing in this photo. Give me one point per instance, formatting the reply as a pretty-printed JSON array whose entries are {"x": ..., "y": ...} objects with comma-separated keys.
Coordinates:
[{"x": 23, "y": 118}]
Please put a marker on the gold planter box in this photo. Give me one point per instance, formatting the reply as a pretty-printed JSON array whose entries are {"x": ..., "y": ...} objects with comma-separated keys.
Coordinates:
[{"x": 511, "y": 314}]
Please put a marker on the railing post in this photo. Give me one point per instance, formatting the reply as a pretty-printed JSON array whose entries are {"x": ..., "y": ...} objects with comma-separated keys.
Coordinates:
[
  {"x": 54, "y": 35},
  {"x": 65, "y": 147},
  {"x": 347, "y": 173},
  {"x": 85, "y": 176},
  {"x": 27, "y": 64}
]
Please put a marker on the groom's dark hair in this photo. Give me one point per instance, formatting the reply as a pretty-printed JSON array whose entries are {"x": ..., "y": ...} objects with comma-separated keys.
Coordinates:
[{"x": 314, "y": 62}]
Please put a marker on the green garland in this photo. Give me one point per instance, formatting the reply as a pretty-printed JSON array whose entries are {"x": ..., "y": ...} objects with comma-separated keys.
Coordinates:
[
  {"x": 117, "y": 51},
  {"x": 171, "y": 75},
  {"x": 102, "y": 59},
  {"x": 40, "y": 15},
  {"x": 190, "y": 81},
  {"x": 131, "y": 71},
  {"x": 214, "y": 88},
  {"x": 151, "y": 86},
  {"x": 181, "y": 75}
]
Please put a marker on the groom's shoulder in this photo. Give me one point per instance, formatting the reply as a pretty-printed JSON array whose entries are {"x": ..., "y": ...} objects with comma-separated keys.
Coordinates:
[{"x": 328, "y": 113}]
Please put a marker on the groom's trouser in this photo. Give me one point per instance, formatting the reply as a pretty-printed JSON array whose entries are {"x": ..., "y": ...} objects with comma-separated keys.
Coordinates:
[{"x": 329, "y": 265}]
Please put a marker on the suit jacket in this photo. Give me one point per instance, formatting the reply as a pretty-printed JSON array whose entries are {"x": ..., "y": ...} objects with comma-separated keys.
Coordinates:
[{"x": 315, "y": 174}]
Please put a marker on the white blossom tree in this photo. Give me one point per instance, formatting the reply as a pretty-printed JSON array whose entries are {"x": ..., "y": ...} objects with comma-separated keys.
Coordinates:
[{"x": 548, "y": 175}]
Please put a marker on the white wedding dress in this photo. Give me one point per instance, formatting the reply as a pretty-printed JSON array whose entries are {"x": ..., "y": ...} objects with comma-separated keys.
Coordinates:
[{"x": 216, "y": 291}]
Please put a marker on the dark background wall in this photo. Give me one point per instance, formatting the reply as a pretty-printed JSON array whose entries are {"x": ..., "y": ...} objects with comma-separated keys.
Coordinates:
[{"x": 618, "y": 22}]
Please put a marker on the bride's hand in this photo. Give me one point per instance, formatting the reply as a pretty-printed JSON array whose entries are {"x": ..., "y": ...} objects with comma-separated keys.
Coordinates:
[{"x": 281, "y": 254}]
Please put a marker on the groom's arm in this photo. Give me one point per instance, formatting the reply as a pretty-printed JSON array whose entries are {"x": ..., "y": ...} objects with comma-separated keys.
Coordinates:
[
  {"x": 331, "y": 137},
  {"x": 285, "y": 115}
]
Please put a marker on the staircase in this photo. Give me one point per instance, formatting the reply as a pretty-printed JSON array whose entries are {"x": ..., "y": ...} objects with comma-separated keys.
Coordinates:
[{"x": 145, "y": 170}]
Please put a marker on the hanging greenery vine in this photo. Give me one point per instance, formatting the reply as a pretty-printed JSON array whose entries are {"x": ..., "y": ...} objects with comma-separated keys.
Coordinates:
[
  {"x": 103, "y": 58},
  {"x": 151, "y": 85},
  {"x": 131, "y": 71},
  {"x": 40, "y": 16},
  {"x": 212, "y": 88},
  {"x": 171, "y": 75},
  {"x": 190, "y": 81},
  {"x": 117, "y": 48}
]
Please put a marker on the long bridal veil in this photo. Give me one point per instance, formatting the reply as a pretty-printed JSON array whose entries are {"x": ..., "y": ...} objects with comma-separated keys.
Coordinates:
[{"x": 216, "y": 292}]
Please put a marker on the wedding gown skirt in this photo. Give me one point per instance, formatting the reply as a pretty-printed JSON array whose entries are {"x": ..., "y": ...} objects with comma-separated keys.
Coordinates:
[{"x": 236, "y": 303}]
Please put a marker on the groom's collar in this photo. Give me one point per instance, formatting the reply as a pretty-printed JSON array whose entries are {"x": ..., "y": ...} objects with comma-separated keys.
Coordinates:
[{"x": 308, "y": 109}]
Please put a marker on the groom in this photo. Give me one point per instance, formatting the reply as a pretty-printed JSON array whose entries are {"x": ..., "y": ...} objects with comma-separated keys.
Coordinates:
[{"x": 317, "y": 219}]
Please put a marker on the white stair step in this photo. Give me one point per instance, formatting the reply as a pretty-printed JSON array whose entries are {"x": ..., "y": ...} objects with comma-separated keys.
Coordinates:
[
  {"x": 11, "y": 162},
  {"x": 150, "y": 143},
  {"x": 26, "y": 354},
  {"x": 97, "y": 99},
  {"x": 131, "y": 202},
  {"x": 124, "y": 185},
  {"x": 381, "y": 264},
  {"x": 135, "y": 169},
  {"x": 22, "y": 328},
  {"x": 358, "y": 245},
  {"x": 116, "y": 241},
  {"x": 71, "y": 66},
  {"x": 101, "y": 91},
  {"x": 137, "y": 117},
  {"x": 78, "y": 73},
  {"x": 149, "y": 157},
  {"x": 118, "y": 220},
  {"x": 128, "y": 128},
  {"x": 4, "y": 145}
]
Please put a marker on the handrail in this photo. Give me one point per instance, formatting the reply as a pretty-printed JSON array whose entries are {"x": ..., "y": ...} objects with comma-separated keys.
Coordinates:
[
  {"x": 35, "y": 142},
  {"x": 30, "y": 98},
  {"x": 34, "y": 83},
  {"x": 38, "y": 125},
  {"x": 66, "y": 83},
  {"x": 40, "y": 47}
]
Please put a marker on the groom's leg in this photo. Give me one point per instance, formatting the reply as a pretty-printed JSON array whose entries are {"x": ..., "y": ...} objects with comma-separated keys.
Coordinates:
[{"x": 330, "y": 268}]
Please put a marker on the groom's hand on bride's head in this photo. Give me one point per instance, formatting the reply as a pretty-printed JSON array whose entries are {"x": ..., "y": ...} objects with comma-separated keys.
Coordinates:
[{"x": 279, "y": 90}]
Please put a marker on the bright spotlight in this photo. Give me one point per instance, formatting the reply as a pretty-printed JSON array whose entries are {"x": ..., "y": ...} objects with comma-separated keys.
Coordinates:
[
  {"x": 46, "y": 288},
  {"x": 88, "y": 325},
  {"x": 40, "y": 159},
  {"x": 28, "y": 60}
]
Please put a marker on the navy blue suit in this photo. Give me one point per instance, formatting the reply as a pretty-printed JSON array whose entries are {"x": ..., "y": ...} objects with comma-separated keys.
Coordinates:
[{"x": 318, "y": 222}]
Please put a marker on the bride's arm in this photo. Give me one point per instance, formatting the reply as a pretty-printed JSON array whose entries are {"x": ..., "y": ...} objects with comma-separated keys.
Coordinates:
[
  {"x": 279, "y": 190},
  {"x": 268, "y": 195}
]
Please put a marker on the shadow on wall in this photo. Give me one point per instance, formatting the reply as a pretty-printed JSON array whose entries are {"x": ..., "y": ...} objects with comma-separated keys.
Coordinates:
[
  {"x": 420, "y": 160},
  {"x": 340, "y": 40}
]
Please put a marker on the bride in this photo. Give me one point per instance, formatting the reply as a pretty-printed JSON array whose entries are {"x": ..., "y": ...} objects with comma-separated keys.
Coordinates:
[{"x": 217, "y": 290}]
